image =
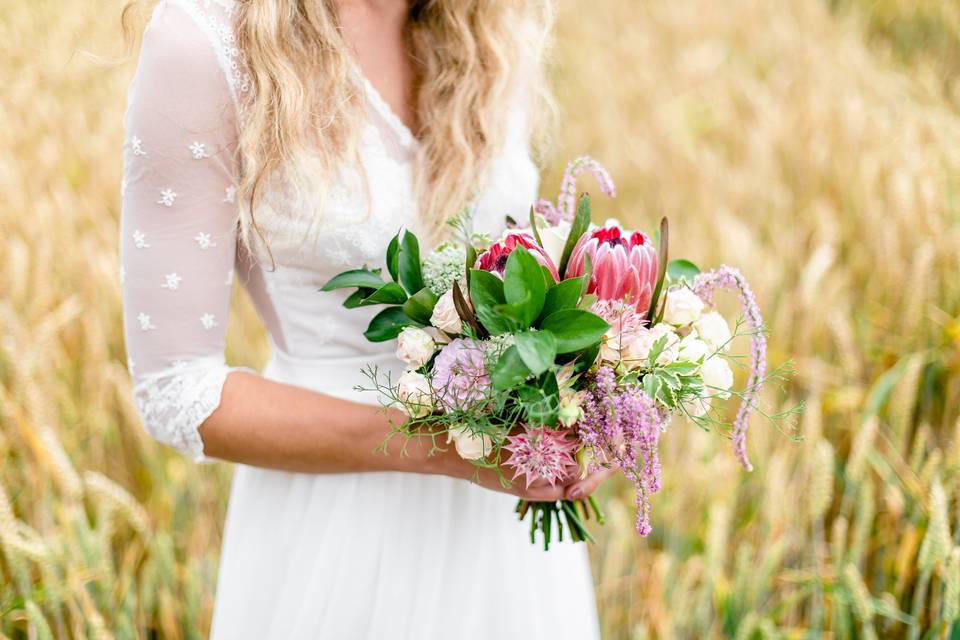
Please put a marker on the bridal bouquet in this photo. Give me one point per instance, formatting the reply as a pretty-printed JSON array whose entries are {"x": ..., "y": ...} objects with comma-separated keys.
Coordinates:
[{"x": 558, "y": 349}]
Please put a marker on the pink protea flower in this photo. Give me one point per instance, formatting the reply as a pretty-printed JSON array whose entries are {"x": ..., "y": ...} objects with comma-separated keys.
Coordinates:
[
  {"x": 494, "y": 259},
  {"x": 542, "y": 454},
  {"x": 624, "y": 267}
]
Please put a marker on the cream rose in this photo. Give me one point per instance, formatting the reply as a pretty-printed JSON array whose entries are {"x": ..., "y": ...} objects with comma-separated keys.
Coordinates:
[
  {"x": 470, "y": 446},
  {"x": 693, "y": 349},
  {"x": 415, "y": 346},
  {"x": 717, "y": 377},
  {"x": 637, "y": 346},
  {"x": 554, "y": 239},
  {"x": 714, "y": 330},
  {"x": 696, "y": 407},
  {"x": 415, "y": 393},
  {"x": 682, "y": 307},
  {"x": 445, "y": 315}
]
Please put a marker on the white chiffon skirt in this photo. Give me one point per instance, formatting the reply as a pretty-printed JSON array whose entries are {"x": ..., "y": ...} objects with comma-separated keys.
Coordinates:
[{"x": 387, "y": 555}]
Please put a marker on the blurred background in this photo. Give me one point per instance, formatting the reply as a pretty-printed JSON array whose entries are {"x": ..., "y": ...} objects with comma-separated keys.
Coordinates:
[{"x": 813, "y": 143}]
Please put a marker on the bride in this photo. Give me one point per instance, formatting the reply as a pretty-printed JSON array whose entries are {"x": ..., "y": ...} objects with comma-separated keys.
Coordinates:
[{"x": 280, "y": 142}]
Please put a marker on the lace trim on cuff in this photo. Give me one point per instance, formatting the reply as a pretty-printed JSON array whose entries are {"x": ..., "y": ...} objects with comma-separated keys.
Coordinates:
[{"x": 174, "y": 403}]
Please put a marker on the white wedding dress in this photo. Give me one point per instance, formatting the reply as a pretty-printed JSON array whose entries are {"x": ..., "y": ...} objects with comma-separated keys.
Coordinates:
[{"x": 354, "y": 555}]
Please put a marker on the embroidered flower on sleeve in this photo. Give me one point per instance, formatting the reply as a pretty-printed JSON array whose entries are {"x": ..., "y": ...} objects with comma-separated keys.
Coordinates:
[
  {"x": 208, "y": 321},
  {"x": 140, "y": 240},
  {"x": 136, "y": 144},
  {"x": 144, "y": 320},
  {"x": 199, "y": 150},
  {"x": 231, "y": 194},
  {"x": 167, "y": 197},
  {"x": 204, "y": 240},
  {"x": 171, "y": 281}
]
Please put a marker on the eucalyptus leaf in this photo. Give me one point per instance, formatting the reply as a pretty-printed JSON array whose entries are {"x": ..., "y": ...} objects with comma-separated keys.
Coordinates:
[
  {"x": 537, "y": 349},
  {"x": 420, "y": 305},
  {"x": 408, "y": 263},
  {"x": 509, "y": 370},
  {"x": 580, "y": 225},
  {"x": 682, "y": 271},
  {"x": 369, "y": 278},
  {"x": 574, "y": 329},
  {"x": 388, "y": 324}
]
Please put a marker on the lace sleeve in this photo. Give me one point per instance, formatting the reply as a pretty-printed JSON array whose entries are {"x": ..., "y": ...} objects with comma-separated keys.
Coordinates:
[{"x": 178, "y": 226}]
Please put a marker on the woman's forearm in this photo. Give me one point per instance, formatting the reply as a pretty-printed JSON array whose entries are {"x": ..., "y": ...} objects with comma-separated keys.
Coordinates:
[{"x": 270, "y": 424}]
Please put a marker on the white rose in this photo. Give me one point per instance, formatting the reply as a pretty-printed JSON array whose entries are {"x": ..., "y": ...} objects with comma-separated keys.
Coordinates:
[
  {"x": 714, "y": 330},
  {"x": 638, "y": 344},
  {"x": 415, "y": 346},
  {"x": 414, "y": 392},
  {"x": 555, "y": 239},
  {"x": 682, "y": 307},
  {"x": 693, "y": 349},
  {"x": 445, "y": 314},
  {"x": 717, "y": 377},
  {"x": 470, "y": 446}
]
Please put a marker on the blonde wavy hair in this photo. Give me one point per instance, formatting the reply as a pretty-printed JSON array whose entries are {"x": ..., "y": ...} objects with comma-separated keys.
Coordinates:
[{"x": 470, "y": 55}]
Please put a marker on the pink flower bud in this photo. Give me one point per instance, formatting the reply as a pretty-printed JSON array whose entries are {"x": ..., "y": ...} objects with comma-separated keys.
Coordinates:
[{"x": 494, "y": 259}]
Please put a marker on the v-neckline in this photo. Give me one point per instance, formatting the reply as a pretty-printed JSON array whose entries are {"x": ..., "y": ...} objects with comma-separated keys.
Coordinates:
[{"x": 399, "y": 127}]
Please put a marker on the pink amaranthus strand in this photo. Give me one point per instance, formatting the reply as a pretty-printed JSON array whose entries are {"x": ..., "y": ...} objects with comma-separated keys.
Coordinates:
[
  {"x": 566, "y": 200},
  {"x": 622, "y": 426},
  {"x": 725, "y": 277}
]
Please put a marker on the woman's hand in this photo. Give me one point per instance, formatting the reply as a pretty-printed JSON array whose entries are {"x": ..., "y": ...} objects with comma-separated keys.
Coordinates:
[{"x": 583, "y": 488}]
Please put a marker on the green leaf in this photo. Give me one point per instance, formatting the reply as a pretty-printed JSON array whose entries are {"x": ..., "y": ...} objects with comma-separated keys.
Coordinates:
[
  {"x": 655, "y": 350},
  {"x": 662, "y": 256},
  {"x": 390, "y": 293},
  {"x": 581, "y": 222},
  {"x": 537, "y": 349},
  {"x": 388, "y": 324},
  {"x": 574, "y": 329},
  {"x": 354, "y": 278},
  {"x": 680, "y": 270},
  {"x": 523, "y": 286},
  {"x": 356, "y": 299},
  {"x": 393, "y": 257},
  {"x": 471, "y": 260},
  {"x": 408, "y": 263},
  {"x": 420, "y": 305},
  {"x": 564, "y": 295},
  {"x": 509, "y": 370},
  {"x": 533, "y": 227},
  {"x": 486, "y": 293}
]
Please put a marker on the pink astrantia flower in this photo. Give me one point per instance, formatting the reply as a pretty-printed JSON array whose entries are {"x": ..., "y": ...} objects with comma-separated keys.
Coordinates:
[
  {"x": 494, "y": 259},
  {"x": 542, "y": 454},
  {"x": 460, "y": 377},
  {"x": 624, "y": 267}
]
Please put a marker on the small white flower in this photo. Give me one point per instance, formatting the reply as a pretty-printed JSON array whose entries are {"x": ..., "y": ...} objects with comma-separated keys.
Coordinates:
[
  {"x": 208, "y": 321},
  {"x": 171, "y": 281},
  {"x": 693, "y": 349},
  {"x": 199, "y": 150},
  {"x": 415, "y": 346},
  {"x": 415, "y": 394},
  {"x": 470, "y": 446},
  {"x": 554, "y": 239},
  {"x": 682, "y": 307},
  {"x": 231, "y": 194},
  {"x": 137, "y": 145},
  {"x": 636, "y": 347},
  {"x": 445, "y": 314},
  {"x": 570, "y": 411},
  {"x": 717, "y": 377},
  {"x": 140, "y": 239},
  {"x": 205, "y": 240},
  {"x": 144, "y": 320},
  {"x": 167, "y": 197},
  {"x": 714, "y": 330}
]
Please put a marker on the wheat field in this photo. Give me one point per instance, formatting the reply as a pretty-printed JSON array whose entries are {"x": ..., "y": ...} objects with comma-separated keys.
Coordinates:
[{"x": 814, "y": 144}]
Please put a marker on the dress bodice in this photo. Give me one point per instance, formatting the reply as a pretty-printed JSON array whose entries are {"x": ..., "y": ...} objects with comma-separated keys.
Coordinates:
[{"x": 180, "y": 211}]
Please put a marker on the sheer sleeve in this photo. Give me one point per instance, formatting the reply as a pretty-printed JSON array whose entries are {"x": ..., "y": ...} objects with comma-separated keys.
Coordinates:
[{"x": 178, "y": 227}]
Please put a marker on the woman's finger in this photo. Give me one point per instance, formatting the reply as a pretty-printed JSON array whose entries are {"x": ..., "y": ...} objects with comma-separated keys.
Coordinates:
[{"x": 583, "y": 488}]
